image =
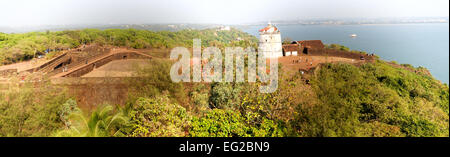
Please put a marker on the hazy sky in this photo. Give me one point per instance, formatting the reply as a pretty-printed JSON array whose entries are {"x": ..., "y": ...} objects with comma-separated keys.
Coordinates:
[{"x": 56, "y": 12}]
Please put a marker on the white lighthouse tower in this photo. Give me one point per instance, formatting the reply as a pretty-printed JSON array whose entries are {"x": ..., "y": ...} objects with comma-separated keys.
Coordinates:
[{"x": 270, "y": 41}]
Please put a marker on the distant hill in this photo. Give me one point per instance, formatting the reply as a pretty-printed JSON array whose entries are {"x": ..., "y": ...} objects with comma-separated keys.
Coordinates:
[
  {"x": 150, "y": 27},
  {"x": 20, "y": 47}
]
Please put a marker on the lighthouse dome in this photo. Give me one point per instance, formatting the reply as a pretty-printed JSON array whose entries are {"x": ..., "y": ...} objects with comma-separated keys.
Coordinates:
[{"x": 269, "y": 29}]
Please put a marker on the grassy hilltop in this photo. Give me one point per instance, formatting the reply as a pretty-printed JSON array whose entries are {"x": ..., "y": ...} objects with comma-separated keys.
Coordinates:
[{"x": 339, "y": 99}]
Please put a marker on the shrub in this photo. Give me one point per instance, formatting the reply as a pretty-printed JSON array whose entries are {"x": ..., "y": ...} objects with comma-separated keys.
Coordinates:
[
  {"x": 373, "y": 100},
  {"x": 225, "y": 95},
  {"x": 31, "y": 109},
  {"x": 200, "y": 97},
  {"x": 157, "y": 117},
  {"x": 227, "y": 123}
]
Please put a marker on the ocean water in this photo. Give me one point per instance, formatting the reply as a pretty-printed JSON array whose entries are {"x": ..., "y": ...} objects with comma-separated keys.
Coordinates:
[{"x": 425, "y": 45}]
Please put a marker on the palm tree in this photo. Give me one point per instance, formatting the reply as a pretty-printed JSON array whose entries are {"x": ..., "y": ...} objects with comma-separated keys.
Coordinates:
[{"x": 102, "y": 122}]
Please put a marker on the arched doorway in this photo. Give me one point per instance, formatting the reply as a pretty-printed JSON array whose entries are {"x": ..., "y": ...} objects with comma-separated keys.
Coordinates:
[{"x": 305, "y": 50}]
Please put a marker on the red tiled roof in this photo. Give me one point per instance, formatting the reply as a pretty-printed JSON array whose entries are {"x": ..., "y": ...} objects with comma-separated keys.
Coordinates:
[{"x": 267, "y": 28}]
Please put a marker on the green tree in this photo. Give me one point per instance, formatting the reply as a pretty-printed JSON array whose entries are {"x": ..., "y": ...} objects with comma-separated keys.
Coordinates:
[
  {"x": 225, "y": 95},
  {"x": 158, "y": 117},
  {"x": 102, "y": 122},
  {"x": 228, "y": 123},
  {"x": 373, "y": 100},
  {"x": 31, "y": 109}
]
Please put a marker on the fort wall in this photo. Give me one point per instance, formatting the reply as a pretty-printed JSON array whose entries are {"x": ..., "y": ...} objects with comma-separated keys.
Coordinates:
[
  {"x": 100, "y": 62},
  {"x": 340, "y": 53}
]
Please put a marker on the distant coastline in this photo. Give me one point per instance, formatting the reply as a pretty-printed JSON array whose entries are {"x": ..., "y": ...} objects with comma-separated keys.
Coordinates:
[
  {"x": 199, "y": 26},
  {"x": 357, "y": 24}
]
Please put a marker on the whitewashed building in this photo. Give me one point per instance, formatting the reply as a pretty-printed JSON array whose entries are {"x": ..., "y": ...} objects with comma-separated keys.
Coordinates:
[{"x": 270, "y": 42}]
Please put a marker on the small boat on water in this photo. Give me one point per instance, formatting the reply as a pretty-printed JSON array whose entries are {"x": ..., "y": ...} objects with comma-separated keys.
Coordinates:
[{"x": 353, "y": 35}]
